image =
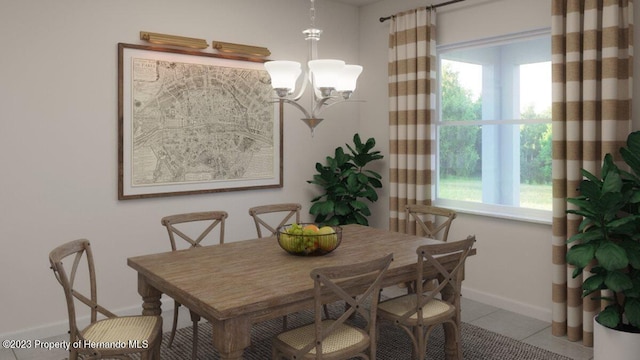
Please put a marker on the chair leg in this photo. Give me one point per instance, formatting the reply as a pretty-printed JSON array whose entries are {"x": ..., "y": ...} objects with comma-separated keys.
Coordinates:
[
  {"x": 284, "y": 323},
  {"x": 175, "y": 323},
  {"x": 73, "y": 355},
  {"x": 274, "y": 353},
  {"x": 419, "y": 348},
  {"x": 453, "y": 345},
  {"x": 326, "y": 311},
  {"x": 156, "y": 352},
  {"x": 194, "y": 351}
]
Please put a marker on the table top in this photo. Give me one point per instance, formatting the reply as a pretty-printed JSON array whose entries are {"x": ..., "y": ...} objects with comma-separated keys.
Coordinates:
[{"x": 254, "y": 276}]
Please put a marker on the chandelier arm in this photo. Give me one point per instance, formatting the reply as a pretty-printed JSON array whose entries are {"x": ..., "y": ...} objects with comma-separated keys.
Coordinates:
[
  {"x": 303, "y": 87},
  {"x": 320, "y": 102},
  {"x": 294, "y": 103}
]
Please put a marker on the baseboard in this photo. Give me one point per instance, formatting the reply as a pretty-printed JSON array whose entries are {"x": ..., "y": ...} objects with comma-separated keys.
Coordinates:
[
  {"x": 62, "y": 327},
  {"x": 521, "y": 308}
]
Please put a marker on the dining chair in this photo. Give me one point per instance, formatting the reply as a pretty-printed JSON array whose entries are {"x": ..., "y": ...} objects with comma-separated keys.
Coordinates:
[
  {"x": 337, "y": 339},
  {"x": 429, "y": 221},
  {"x": 183, "y": 226},
  {"x": 420, "y": 312},
  {"x": 128, "y": 334},
  {"x": 266, "y": 216}
]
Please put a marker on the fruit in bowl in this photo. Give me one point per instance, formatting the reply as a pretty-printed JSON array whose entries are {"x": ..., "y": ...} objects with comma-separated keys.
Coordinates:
[{"x": 308, "y": 239}]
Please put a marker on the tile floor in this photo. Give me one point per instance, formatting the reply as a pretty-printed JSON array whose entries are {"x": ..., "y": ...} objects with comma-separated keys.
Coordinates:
[{"x": 519, "y": 327}]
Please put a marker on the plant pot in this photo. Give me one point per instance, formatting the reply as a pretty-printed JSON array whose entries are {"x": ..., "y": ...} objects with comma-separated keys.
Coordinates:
[{"x": 611, "y": 344}]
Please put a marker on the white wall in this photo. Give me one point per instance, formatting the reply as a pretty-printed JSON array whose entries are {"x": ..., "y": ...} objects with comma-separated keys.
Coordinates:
[{"x": 58, "y": 137}]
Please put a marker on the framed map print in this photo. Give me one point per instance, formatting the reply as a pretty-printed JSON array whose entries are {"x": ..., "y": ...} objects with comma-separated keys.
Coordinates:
[{"x": 194, "y": 122}]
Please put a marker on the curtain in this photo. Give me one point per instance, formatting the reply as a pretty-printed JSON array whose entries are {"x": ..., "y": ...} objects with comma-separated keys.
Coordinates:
[
  {"x": 411, "y": 110},
  {"x": 592, "y": 43}
]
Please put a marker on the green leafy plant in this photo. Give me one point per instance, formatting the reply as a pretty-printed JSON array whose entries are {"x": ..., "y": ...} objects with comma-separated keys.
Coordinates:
[
  {"x": 346, "y": 183},
  {"x": 609, "y": 237}
]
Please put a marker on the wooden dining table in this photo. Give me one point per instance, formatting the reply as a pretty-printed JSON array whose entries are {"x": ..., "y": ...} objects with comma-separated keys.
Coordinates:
[{"x": 237, "y": 284}]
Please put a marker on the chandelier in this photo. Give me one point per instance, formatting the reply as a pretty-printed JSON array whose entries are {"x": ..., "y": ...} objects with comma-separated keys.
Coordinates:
[{"x": 332, "y": 81}]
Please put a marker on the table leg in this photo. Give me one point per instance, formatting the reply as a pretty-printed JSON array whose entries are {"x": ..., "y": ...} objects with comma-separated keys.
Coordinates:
[
  {"x": 150, "y": 297},
  {"x": 231, "y": 337}
]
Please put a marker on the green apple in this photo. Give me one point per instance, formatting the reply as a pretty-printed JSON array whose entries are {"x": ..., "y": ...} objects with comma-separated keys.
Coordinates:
[{"x": 328, "y": 240}]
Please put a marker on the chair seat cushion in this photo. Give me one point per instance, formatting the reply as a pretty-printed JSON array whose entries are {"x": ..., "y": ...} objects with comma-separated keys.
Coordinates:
[
  {"x": 401, "y": 305},
  {"x": 343, "y": 337},
  {"x": 123, "y": 329}
]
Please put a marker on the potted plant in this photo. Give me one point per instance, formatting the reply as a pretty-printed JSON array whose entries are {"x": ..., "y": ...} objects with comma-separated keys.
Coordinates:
[
  {"x": 346, "y": 183},
  {"x": 609, "y": 239}
]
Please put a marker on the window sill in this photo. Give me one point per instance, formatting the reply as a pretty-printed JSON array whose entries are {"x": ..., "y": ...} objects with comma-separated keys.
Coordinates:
[{"x": 498, "y": 211}]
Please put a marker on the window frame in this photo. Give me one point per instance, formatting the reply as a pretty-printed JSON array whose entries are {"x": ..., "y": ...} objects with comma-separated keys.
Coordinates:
[{"x": 480, "y": 208}]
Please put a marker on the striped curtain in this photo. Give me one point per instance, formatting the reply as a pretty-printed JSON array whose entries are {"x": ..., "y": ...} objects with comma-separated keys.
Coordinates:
[
  {"x": 592, "y": 44},
  {"x": 411, "y": 110}
]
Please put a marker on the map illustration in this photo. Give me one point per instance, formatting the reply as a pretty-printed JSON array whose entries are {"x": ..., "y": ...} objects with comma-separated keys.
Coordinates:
[{"x": 193, "y": 123}]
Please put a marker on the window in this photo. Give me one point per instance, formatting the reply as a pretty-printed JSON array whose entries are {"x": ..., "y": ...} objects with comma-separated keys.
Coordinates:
[{"x": 494, "y": 127}]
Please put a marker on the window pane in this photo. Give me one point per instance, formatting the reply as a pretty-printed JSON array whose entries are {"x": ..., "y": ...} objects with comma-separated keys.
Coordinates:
[
  {"x": 461, "y": 91},
  {"x": 535, "y": 90},
  {"x": 494, "y": 129},
  {"x": 535, "y": 166},
  {"x": 460, "y": 165}
]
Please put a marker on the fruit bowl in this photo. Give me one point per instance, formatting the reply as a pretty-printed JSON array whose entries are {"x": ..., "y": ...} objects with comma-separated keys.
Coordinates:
[{"x": 308, "y": 239}]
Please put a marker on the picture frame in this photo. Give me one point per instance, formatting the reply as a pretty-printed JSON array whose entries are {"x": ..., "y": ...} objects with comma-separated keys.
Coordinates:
[{"x": 191, "y": 122}]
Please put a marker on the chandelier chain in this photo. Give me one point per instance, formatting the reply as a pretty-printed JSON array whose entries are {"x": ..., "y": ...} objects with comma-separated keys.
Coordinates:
[{"x": 312, "y": 13}]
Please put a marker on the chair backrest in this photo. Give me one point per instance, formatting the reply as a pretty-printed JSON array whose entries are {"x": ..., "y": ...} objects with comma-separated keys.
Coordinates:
[
  {"x": 441, "y": 256},
  {"x": 288, "y": 210},
  {"x": 72, "y": 290},
  {"x": 331, "y": 283},
  {"x": 433, "y": 222},
  {"x": 210, "y": 219}
]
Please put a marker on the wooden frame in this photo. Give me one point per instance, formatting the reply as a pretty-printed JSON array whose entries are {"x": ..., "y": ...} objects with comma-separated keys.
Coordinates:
[{"x": 192, "y": 122}]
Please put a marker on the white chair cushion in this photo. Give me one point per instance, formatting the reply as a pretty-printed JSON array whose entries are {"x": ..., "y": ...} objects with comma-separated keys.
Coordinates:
[
  {"x": 123, "y": 329},
  {"x": 403, "y": 304},
  {"x": 343, "y": 337}
]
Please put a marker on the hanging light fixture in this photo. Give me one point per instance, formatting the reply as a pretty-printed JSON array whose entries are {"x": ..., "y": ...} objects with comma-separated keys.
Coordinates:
[{"x": 332, "y": 81}]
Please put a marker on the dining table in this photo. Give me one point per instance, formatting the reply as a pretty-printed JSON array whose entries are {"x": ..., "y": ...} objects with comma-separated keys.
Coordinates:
[{"x": 237, "y": 284}]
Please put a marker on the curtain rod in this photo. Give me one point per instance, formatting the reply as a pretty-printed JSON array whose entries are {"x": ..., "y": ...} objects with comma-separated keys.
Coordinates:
[{"x": 383, "y": 19}]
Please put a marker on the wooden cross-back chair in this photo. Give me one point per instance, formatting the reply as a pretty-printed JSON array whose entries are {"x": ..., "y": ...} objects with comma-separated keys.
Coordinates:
[
  {"x": 209, "y": 220},
  {"x": 429, "y": 221},
  {"x": 337, "y": 339},
  {"x": 213, "y": 218},
  {"x": 133, "y": 334},
  {"x": 420, "y": 312},
  {"x": 290, "y": 211}
]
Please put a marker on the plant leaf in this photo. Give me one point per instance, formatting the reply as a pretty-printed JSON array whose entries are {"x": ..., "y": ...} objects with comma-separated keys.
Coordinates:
[
  {"x": 618, "y": 281},
  {"x": 632, "y": 311},
  {"x": 612, "y": 183},
  {"x": 341, "y": 208},
  {"x": 374, "y": 174},
  {"x": 581, "y": 255},
  {"x": 633, "y": 252},
  {"x": 586, "y": 237},
  {"x": 590, "y": 190},
  {"x": 375, "y": 183},
  {"x": 611, "y": 256},
  {"x": 609, "y": 317},
  {"x": 592, "y": 283},
  {"x": 631, "y": 153},
  {"x": 358, "y": 205}
]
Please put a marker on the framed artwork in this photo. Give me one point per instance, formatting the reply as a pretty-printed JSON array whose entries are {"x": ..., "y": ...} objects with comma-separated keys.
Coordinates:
[{"x": 193, "y": 122}]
